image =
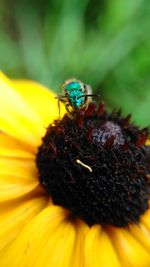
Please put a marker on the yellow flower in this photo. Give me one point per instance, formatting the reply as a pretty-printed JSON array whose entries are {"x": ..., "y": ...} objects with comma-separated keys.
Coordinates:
[{"x": 34, "y": 231}]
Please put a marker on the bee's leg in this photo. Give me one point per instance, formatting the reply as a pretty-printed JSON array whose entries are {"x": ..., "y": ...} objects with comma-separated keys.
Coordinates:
[
  {"x": 58, "y": 103},
  {"x": 60, "y": 99},
  {"x": 69, "y": 110}
]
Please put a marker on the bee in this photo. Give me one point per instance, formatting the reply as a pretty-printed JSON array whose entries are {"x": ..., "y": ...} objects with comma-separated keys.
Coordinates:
[{"x": 77, "y": 95}]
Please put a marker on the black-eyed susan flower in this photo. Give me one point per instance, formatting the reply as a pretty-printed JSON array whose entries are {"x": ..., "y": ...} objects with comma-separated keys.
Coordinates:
[{"x": 73, "y": 192}]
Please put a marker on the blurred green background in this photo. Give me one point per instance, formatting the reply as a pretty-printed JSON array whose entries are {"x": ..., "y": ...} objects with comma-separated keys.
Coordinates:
[{"x": 104, "y": 43}]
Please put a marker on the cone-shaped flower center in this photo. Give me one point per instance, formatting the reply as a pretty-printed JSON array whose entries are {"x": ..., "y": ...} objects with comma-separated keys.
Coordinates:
[{"x": 97, "y": 165}]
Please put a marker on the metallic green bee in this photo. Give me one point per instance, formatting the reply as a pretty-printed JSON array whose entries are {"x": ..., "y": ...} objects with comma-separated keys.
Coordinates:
[{"x": 77, "y": 95}]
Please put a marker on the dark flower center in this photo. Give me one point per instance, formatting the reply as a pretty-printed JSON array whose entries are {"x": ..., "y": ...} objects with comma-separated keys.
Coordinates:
[{"x": 97, "y": 166}]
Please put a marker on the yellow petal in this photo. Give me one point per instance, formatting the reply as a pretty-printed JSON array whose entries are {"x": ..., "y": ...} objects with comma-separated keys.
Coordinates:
[
  {"x": 61, "y": 244},
  {"x": 148, "y": 142},
  {"x": 142, "y": 234},
  {"x": 78, "y": 253},
  {"x": 48, "y": 240},
  {"x": 40, "y": 99},
  {"x": 145, "y": 219},
  {"x": 130, "y": 251},
  {"x": 10, "y": 147},
  {"x": 99, "y": 251},
  {"x": 17, "y": 178},
  {"x": 16, "y": 117},
  {"x": 15, "y": 214}
]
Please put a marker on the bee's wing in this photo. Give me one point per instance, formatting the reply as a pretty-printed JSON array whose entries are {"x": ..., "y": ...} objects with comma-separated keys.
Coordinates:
[
  {"x": 89, "y": 89},
  {"x": 89, "y": 92}
]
